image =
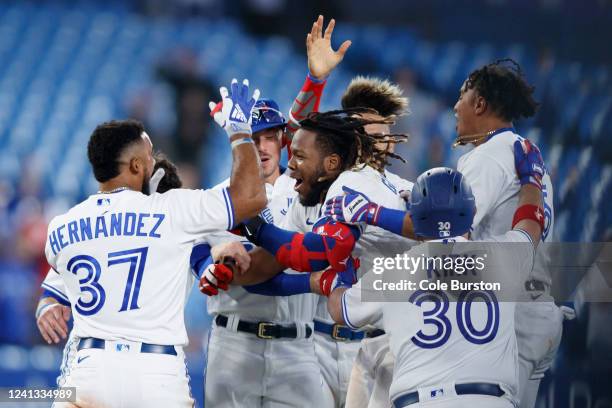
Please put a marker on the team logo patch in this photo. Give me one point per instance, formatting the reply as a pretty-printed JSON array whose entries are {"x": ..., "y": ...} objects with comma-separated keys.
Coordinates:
[
  {"x": 437, "y": 393},
  {"x": 122, "y": 347}
]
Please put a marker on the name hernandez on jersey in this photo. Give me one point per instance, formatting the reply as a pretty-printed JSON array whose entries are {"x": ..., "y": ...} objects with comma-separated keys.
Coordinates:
[
  {"x": 489, "y": 168},
  {"x": 130, "y": 280},
  {"x": 432, "y": 341}
]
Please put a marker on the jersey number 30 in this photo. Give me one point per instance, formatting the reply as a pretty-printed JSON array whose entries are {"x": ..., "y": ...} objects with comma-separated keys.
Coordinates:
[
  {"x": 89, "y": 284},
  {"x": 436, "y": 317}
]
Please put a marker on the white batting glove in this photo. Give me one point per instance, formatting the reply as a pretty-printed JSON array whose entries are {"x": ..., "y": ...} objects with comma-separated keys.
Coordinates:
[
  {"x": 234, "y": 112},
  {"x": 155, "y": 179}
]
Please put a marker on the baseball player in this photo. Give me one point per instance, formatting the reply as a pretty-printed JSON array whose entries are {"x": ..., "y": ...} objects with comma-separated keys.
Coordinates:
[
  {"x": 124, "y": 258},
  {"x": 490, "y": 100},
  {"x": 459, "y": 353},
  {"x": 372, "y": 369},
  {"x": 369, "y": 380},
  {"x": 53, "y": 311},
  {"x": 322, "y": 149},
  {"x": 266, "y": 343},
  {"x": 260, "y": 350}
]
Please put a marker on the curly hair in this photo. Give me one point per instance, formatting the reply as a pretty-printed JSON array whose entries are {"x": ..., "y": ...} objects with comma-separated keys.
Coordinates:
[
  {"x": 379, "y": 94},
  {"x": 171, "y": 179},
  {"x": 106, "y": 144},
  {"x": 342, "y": 132},
  {"x": 505, "y": 89}
]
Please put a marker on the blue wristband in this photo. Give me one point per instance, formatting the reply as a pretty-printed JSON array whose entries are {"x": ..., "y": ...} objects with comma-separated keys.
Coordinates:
[
  {"x": 391, "y": 220},
  {"x": 283, "y": 284}
]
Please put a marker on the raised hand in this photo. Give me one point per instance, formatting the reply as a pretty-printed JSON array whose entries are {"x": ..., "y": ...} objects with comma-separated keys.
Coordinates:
[
  {"x": 234, "y": 112},
  {"x": 322, "y": 59}
]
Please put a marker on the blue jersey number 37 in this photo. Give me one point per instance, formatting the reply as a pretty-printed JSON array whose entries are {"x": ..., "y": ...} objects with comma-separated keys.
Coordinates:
[{"x": 93, "y": 295}]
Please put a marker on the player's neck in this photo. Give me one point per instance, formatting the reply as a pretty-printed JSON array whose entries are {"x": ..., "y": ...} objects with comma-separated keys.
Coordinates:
[
  {"x": 116, "y": 184},
  {"x": 489, "y": 125},
  {"x": 271, "y": 179}
]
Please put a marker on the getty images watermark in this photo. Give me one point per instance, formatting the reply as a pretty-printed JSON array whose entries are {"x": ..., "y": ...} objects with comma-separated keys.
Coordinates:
[{"x": 439, "y": 269}]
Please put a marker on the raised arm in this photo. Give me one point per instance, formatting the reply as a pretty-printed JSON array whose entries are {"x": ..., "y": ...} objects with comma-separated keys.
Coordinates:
[
  {"x": 246, "y": 190},
  {"x": 529, "y": 215},
  {"x": 322, "y": 60}
]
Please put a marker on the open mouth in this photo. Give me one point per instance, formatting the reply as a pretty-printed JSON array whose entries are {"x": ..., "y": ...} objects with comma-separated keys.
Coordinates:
[{"x": 298, "y": 183}]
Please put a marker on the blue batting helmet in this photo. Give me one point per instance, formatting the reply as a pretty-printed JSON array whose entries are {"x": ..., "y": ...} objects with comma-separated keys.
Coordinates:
[
  {"x": 441, "y": 204},
  {"x": 266, "y": 114}
]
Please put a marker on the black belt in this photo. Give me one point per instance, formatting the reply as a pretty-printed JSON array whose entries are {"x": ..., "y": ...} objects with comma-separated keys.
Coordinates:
[
  {"x": 93, "y": 343},
  {"x": 493, "y": 390},
  {"x": 343, "y": 333},
  {"x": 265, "y": 330},
  {"x": 535, "y": 286}
]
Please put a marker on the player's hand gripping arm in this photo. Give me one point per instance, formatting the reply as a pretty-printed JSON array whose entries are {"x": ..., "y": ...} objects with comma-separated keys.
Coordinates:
[
  {"x": 322, "y": 60},
  {"x": 356, "y": 208},
  {"x": 246, "y": 190},
  {"x": 529, "y": 215}
]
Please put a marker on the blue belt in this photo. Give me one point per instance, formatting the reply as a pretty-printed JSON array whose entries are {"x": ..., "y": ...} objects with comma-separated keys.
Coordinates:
[
  {"x": 493, "y": 390},
  {"x": 93, "y": 343},
  {"x": 343, "y": 333},
  {"x": 338, "y": 331}
]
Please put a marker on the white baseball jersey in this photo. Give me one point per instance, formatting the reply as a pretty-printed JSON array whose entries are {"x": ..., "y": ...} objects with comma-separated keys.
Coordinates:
[
  {"x": 237, "y": 300},
  {"x": 400, "y": 183},
  {"x": 124, "y": 258},
  {"x": 53, "y": 285},
  {"x": 490, "y": 170},
  {"x": 442, "y": 341},
  {"x": 374, "y": 241}
]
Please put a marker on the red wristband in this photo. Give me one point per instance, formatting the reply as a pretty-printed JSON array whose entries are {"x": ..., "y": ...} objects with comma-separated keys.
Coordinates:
[{"x": 529, "y": 212}]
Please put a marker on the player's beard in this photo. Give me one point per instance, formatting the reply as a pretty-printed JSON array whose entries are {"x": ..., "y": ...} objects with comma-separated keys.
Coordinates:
[
  {"x": 145, "y": 186},
  {"x": 317, "y": 189}
]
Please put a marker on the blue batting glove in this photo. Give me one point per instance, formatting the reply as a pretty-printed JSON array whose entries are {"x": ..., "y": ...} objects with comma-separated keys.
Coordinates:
[
  {"x": 234, "y": 112},
  {"x": 528, "y": 163},
  {"x": 352, "y": 208}
]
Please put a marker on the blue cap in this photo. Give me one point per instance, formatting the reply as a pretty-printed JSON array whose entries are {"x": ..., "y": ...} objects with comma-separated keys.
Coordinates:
[
  {"x": 265, "y": 115},
  {"x": 441, "y": 204}
]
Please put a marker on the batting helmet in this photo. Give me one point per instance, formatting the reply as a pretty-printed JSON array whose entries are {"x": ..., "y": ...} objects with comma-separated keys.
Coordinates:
[
  {"x": 441, "y": 204},
  {"x": 266, "y": 114}
]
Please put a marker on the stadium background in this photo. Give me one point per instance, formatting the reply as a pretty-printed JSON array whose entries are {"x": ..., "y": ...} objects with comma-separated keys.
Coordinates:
[{"x": 66, "y": 66}]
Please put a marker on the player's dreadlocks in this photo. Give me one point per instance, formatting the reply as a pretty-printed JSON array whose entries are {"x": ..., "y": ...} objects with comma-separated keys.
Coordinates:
[
  {"x": 342, "y": 132},
  {"x": 505, "y": 89}
]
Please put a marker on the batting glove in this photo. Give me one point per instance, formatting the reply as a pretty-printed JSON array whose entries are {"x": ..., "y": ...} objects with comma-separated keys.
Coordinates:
[
  {"x": 352, "y": 208},
  {"x": 234, "y": 112},
  {"x": 332, "y": 279},
  {"x": 216, "y": 276},
  {"x": 529, "y": 163},
  {"x": 155, "y": 180}
]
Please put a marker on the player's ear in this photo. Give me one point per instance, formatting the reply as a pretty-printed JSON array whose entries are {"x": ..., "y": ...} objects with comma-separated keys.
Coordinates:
[
  {"x": 332, "y": 163},
  {"x": 136, "y": 165},
  {"x": 480, "y": 105}
]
